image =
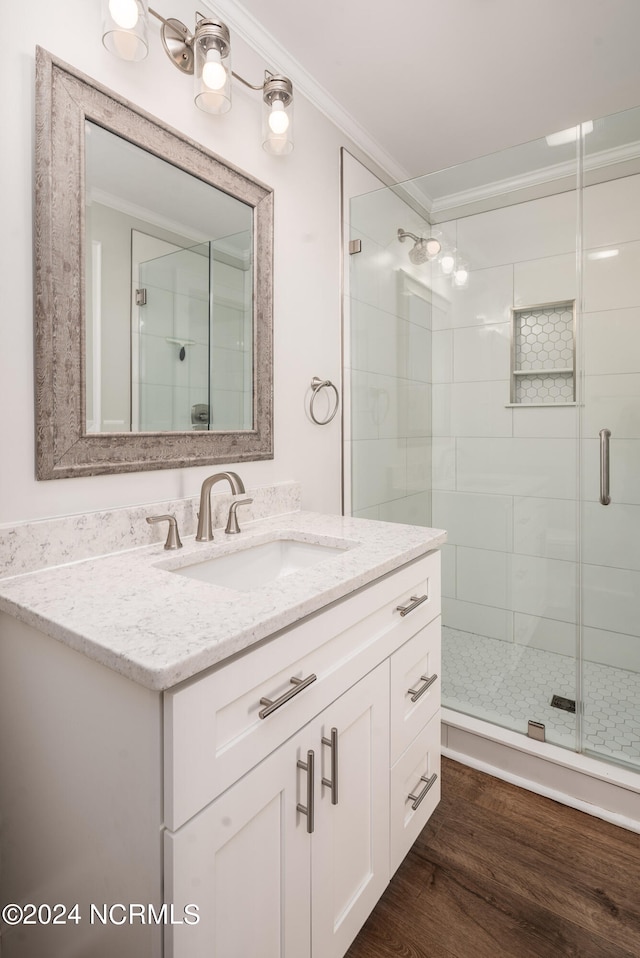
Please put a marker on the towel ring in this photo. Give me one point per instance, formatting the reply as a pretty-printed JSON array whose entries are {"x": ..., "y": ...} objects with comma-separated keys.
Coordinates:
[{"x": 316, "y": 385}]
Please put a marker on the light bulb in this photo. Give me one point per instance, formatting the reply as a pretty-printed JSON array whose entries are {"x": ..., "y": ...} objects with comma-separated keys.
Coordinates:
[
  {"x": 447, "y": 262},
  {"x": 124, "y": 13},
  {"x": 278, "y": 119},
  {"x": 461, "y": 277},
  {"x": 432, "y": 247},
  {"x": 214, "y": 74}
]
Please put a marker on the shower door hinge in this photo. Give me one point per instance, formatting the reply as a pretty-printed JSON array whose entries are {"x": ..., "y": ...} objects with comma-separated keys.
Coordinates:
[
  {"x": 536, "y": 730},
  {"x": 141, "y": 297},
  {"x": 355, "y": 246}
]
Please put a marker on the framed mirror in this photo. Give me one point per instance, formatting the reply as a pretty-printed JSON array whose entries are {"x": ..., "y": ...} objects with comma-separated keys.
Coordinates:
[{"x": 153, "y": 308}]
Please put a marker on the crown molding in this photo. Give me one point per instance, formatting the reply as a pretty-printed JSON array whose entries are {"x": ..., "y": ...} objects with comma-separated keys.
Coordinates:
[
  {"x": 222, "y": 252},
  {"x": 254, "y": 33},
  {"x": 408, "y": 187},
  {"x": 144, "y": 214},
  {"x": 546, "y": 174}
]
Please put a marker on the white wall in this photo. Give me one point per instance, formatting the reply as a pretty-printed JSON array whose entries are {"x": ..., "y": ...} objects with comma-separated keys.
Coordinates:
[{"x": 306, "y": 260}]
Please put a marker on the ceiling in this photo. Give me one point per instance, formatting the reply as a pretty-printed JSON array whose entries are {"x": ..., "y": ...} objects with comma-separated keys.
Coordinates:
[
  {"x": 133, "y": 180},
  {"x": 431, "y": 83}
]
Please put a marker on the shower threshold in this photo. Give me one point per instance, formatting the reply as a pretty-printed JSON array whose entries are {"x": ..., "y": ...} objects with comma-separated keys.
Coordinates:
[
  {"x": 509, "y": 684},
  {"x": 610, "y": 792}
]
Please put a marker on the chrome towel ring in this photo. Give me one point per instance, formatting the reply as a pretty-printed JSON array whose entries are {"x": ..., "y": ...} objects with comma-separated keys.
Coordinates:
[{"x": 316, "y": 385}]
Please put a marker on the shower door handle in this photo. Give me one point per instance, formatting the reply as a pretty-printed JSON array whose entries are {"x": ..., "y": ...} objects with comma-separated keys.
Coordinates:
[{"x": 605, "y": 436}]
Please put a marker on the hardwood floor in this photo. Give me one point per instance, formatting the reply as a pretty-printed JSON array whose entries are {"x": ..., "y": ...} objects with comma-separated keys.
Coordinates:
[{"x": 502, "y": 873}]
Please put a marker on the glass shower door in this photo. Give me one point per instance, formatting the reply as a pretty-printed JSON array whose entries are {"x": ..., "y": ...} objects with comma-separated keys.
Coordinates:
[
  {"x": 610, "y": 433},
  {"x": 500, "y": 434},
  {"x": 170, "y": 342},
  {"x": 388, "y": 365}
]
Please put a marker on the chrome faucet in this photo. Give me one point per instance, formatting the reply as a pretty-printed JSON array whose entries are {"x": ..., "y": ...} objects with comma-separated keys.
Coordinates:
[{"x": 205, "y": 532}]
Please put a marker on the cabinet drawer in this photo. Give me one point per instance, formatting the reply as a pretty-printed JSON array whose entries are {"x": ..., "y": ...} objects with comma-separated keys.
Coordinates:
[
  {"x": 213, "y": 730},
  {"x": 410, "y": 776},
  {"x": 415, "y": 686}
]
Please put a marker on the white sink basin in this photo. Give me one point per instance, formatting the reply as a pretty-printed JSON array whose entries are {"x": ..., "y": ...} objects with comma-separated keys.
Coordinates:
[{"x": 257, "y": 565}]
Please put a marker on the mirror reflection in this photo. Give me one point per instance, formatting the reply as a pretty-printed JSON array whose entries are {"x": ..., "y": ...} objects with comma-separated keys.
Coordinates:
[{"x": 169, "y": 295}]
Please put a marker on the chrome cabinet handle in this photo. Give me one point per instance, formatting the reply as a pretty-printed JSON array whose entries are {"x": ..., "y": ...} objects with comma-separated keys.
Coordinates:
[
  {"x": 308, "y": 809},
  {"x": 418, "y": 693},
  {"x": 298, "y": 686},
  {"x": 417, "y": 799},
  {"x": 605, "y": 436},
  {"x": 332, "y": 783},
  {"x": 415, "y": 602}
]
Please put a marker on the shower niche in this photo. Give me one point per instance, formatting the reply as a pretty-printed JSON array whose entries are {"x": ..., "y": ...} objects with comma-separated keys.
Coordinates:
[{"x": 543, "y": 354}]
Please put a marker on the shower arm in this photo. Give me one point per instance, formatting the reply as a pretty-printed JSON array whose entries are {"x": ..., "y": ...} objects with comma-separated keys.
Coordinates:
[{"x": 402, "y": 235}]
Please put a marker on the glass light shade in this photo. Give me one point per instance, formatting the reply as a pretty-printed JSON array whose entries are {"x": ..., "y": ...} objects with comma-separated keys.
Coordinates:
[
  {"x": 124, "y": 28},
  {"x": 447, "y": 262},
  {"x": 212, "y": 68},
  {"x": 214, "y": 75},
  {"x": 278, "y": 119},
  {"x": 460, "y": 277},
  {"x": 277, "y": 126},
  {"x": 432, "y": 247}
]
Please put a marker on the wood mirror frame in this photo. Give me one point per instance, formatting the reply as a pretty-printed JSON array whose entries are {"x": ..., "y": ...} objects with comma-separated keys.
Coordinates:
[{"x": 66, "y": 98}]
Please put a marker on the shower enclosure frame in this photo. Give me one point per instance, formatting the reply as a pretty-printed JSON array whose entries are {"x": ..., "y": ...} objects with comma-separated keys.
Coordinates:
[{"x": 583, "y": 775}]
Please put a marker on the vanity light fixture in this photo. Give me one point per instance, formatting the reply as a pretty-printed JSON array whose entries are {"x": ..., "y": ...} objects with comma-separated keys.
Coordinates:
[{"x": 206, "y": 54}]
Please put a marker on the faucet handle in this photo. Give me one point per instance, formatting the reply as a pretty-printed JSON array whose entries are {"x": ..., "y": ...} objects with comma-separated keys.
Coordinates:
[
  {"x": 232, "y": 522},
  {"x": 173, "y": 536}
]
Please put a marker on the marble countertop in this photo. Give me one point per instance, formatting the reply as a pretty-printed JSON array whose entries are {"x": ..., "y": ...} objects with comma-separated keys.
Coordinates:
[{"x": 130, "y": 612}]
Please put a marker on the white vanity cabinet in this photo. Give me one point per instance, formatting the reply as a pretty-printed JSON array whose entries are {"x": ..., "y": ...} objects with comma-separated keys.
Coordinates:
[
  {"x": 265, "y": 873},
  {"x": 270, "y": 879},
  {"x": 111, "y": 792}
]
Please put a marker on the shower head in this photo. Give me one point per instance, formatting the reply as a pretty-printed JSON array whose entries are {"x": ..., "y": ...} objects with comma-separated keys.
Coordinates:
[
  {"x": 424, "y": 248},
  {"x": 418, "y": 255}
]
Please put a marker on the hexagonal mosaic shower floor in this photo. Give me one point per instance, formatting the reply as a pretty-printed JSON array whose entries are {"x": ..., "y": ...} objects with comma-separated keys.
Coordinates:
[{"x": 508, "y": 684}]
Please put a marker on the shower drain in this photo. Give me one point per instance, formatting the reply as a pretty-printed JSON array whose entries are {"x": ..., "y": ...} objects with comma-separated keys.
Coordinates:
[{"x": 560, "y": 702}]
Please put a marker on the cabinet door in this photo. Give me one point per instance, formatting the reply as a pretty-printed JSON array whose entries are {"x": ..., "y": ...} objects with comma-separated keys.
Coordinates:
[
  {"x": 350, "y": 849},
  {"x": 245, "y": 862}
]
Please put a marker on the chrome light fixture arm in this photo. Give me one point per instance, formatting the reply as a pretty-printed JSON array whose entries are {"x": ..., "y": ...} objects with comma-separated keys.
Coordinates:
[
  {"x": 178, "y": 42},
  {"x": 205, "y": 54}
]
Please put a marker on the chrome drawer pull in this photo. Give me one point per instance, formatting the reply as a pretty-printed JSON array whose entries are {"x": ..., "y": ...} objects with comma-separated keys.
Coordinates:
[
  {"x": 428, "y": 682},
  {"x": 273, "y": 704},
  {"x": 416, "y": 600},
  {"x": 416, "y": 799},
  {"x": 308, "y": 809},
  {"x": 332, "y": 783}
]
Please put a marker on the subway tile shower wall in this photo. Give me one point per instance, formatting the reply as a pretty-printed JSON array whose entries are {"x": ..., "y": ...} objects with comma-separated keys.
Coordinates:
[{"x": 505, "y": 480}]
